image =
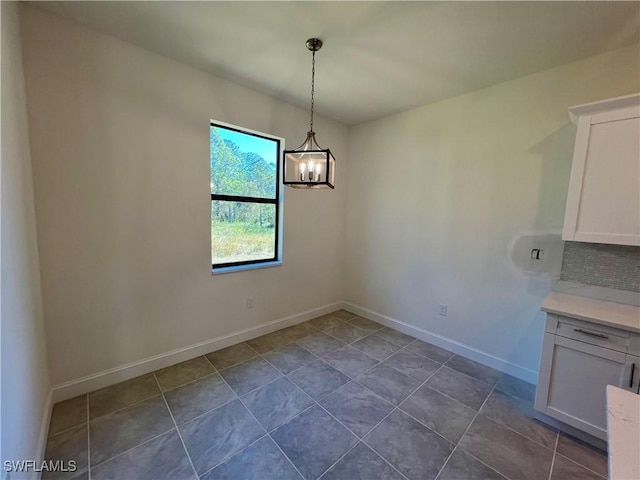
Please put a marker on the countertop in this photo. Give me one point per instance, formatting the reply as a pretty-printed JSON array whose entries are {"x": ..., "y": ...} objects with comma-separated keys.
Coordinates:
[
  {"x": 623, "y": 427},
  {"x": 611, "y": 314}
]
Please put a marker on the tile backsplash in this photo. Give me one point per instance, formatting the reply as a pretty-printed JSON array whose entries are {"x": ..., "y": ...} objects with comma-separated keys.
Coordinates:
[{"x": 611, "y": 266}]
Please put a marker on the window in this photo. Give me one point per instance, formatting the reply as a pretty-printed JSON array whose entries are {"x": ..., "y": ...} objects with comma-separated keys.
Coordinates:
[{"x": 246, "y": 214}]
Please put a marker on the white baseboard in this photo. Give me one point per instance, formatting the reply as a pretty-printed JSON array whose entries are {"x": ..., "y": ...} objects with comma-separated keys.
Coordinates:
[
  {"x": 467, "y": 351},
  {"x": 44, "y": 428},
  {"x": 115, "y": 375},
  {"x": 109, "y": 377}
]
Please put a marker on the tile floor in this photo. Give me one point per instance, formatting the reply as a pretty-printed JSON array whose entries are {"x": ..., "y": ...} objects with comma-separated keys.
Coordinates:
[{"x": 338, "y": 397}]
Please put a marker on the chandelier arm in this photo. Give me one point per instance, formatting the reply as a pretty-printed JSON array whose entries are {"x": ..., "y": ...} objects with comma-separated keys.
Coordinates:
[
  {"x": 301, "y": 147},
  {"x": 309, "y": 141},
  {"x": 315, "y": 142}
]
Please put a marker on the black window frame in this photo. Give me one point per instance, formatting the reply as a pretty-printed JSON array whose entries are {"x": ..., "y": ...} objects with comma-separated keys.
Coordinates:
[{"x": 244, "y": 199}]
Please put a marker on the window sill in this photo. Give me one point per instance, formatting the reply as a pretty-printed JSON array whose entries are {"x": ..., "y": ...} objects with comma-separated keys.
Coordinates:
[{"x": 240, "y": 268}]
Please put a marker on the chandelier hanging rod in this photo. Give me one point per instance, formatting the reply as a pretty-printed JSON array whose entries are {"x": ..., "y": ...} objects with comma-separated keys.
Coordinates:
[{"x": 313, "y": 44}]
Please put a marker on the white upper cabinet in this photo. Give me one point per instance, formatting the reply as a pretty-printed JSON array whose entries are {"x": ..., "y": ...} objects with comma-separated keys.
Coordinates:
[{"x": 603, "y": 204}]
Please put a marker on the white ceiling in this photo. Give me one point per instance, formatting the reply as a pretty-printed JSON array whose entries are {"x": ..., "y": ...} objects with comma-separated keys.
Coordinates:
[{"x": 379, "y": 57}]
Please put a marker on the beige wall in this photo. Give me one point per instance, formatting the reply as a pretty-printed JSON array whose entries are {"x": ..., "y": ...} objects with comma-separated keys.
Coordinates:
[
  {"x": 445, "y": 202},
  {"x": 25, "y": 377},
  {"x": 120, "y": 143}
]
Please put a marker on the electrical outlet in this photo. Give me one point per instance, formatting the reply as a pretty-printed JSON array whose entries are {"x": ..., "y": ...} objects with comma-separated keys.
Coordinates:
[
  {"x": 443, "y": 310},
  {"x": 249, "y": 302},
  {"x": 537, "y": 254}
]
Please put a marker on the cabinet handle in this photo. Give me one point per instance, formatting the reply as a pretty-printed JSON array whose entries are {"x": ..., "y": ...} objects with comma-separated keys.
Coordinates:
[
  {"x": 593, "y": 334},
  {"x": 633, "y": 369}
]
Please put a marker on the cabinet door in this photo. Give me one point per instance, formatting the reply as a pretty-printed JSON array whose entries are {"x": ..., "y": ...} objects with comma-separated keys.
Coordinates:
[
  {"x": 602, "y": 204},
  {"x": 631, "y": 378},
  {"x": 573, "y": 380}
]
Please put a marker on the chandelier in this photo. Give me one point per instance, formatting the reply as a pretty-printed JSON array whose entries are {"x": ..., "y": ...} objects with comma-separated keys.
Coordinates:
[{"x": 310, "y": 165}]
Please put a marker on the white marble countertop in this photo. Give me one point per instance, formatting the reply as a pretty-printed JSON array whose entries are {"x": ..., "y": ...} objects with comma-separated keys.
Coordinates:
[
  {"x": 611, "y": 314},
  {"x": 623, "y": 430}
]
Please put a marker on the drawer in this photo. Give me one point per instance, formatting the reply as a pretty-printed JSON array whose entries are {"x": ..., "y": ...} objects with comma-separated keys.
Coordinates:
[
  {"x": 593, "y": 333},
  {"x": 634, "y": 344}
]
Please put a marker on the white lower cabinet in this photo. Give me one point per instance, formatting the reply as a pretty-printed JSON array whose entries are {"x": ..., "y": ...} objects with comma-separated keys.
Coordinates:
[
  {"x": 578, "y": 361},
  {"x": 631, "y": 380}
]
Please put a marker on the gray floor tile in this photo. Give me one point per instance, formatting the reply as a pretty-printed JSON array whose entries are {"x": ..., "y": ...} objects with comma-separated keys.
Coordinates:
[
  {"x": 183, "y": 372},
  {"x": 230, "y": 356},
  {"x": 365, "y": 324},
  {"x": 456, "y": 385},
  {"x": 313, "y": 441},
  {"x": 268, "y": 342},
  {"x": 343, "y": 314},
  {"x": 318, "y": 379},
  {"x": 162, "y": 458},
  {"x": 411, "y": 364},
  {"x": 583, "y": 454},
  {"x": 462, "y": 466},
  {"x": 350, "y": 361},
  {"x": 299, "y": 331},
  {"x": 362, "y": 463},
  {"x": 68, "y": 414},
  {"x": 132, "y": 433},
  {"x": 517, "y": 388},
  {"x": 81, "y": 476},
  {"x": 565, "y": 469},
  {"x": 249, "y": 375},
  {"x": 390, "y": 384},
  {"x": 376, "y": 347},
  {"x": 476, "y": 370},
  {"x": 428, "y": 350},
  {"x": 115, "y": 397},
  {"x": 326, "y": 322},
  {"x": 288, "y": 358},
  {"x": 320, "y": 343},
  {"x": 346, "y": 333},
  {"x": 410, "y": 447},
  {"x": 441, "y": 414},
  {"x": 395, "y": 337},
  {"x": 276, "y": 402},
  {"x": 517, "y": 414},
  {"x": 196, "y": 398},
  {"x": 358, "y": 408},
  {"x": 260, "y": 461},
  {"x": 66, "y": 446},
  {"x": 217, "y": 435},
  {"x": 507, "y": 452},
  {"x": 124, "y": 429}
]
